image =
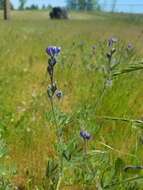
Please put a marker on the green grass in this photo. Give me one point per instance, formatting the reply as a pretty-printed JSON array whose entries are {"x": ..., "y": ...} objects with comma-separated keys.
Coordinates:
[{"x": 24, "y": 108}]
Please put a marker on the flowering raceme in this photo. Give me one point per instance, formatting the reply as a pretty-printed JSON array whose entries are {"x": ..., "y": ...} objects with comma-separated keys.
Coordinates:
[{"x": 53, "y": 51}]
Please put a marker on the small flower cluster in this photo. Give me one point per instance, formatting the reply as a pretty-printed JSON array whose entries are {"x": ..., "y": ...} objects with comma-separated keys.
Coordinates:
[
  {"x": 85, "y": 135},
  {"x": 53, "y": 52}
]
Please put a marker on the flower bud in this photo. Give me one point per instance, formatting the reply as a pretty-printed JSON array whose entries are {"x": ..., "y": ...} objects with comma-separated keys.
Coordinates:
[
  {"x": 50, "y": 70},
  {"x": 59, "y": 94},
  {"x": 111, "y": 41},
  {"x": 52, "y": 61},
  {"x": 54, "y": 87},
  {"x": 113, "y": 51},
  {"x": 85, "y": 135}
]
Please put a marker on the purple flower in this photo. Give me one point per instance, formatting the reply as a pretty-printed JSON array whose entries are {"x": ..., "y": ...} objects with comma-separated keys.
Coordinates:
[
  {"x": 59, "y": 94},
  {"x": 85, "y": 135},
  {"x": 130, "y": 46},
  {"x": 111, "y": 41},
  {"x": 53, "y": 51}
]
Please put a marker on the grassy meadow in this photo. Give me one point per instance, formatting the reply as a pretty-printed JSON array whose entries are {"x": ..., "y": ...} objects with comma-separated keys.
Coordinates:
[{"x": 112, "y": 114}]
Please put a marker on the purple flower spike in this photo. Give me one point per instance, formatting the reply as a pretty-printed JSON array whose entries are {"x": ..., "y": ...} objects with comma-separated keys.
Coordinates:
[
  {"x": 53, "y": 51},
  {"x": 85, "y": 135}
]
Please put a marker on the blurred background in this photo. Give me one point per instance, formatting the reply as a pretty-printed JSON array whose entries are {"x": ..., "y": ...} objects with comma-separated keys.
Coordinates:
[{"x": 128, "y": 6}]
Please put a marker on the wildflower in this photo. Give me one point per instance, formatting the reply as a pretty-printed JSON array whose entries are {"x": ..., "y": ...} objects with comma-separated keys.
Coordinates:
[
  {"x": 53, "y": 51},
  {"x": 129, "y": 46},
  {"x": 59, "y": 94},
  {"x": 85, "y": 135},
  {"x": 111, "y": 41}
]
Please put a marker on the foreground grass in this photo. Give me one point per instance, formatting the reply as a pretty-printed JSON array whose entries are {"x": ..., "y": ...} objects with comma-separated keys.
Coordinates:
[{"x": 24, "y": 108}]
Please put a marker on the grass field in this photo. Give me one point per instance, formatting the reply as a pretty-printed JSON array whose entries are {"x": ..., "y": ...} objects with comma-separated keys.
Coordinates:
[{"x": 113, "y": 118}]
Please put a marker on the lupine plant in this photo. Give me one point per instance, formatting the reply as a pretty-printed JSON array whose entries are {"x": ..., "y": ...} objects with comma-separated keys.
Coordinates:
[
  {"x": 83, "y": 161},
  {"x": 52, "y": 91}
]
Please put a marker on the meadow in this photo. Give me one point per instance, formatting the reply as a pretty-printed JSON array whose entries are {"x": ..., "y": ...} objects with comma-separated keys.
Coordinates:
[{"x": 102, "y": 94}]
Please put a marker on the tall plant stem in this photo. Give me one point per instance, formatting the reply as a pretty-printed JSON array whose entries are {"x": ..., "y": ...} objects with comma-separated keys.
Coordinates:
[{"x": 59, "y": 137}]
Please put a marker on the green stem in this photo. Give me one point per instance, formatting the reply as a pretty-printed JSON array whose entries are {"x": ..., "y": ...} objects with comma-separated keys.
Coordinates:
[
  {"x": 59, "y": 141},
  {"x": 59, "y": 183},
  {"x": 59, "y": 138},
  {"x": 120, "y": 119},
  {"x": 123, "y": 181},
  {"x": 53, "y": 112}
]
